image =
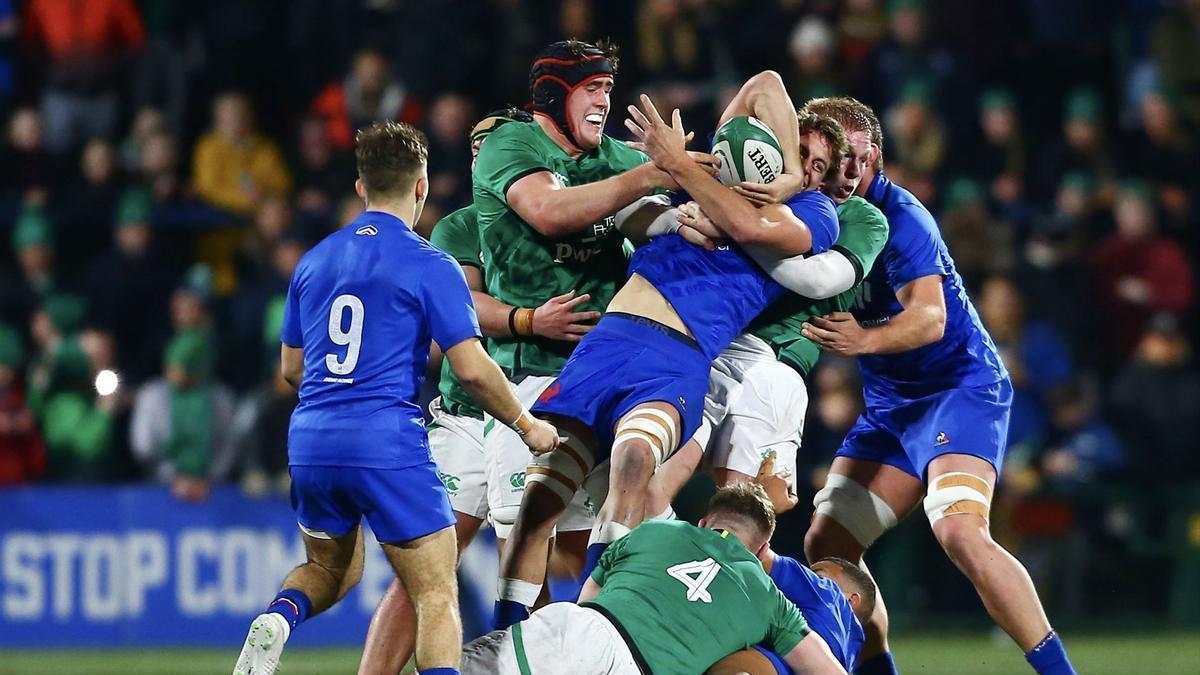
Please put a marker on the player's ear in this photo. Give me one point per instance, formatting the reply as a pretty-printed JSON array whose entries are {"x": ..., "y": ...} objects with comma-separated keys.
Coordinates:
[
  {"x": 875, "y": 152},
  {"x": 360, "y": 190},
  {"x": 703, "y": 522},
  {"x": 422, "y": 188}
]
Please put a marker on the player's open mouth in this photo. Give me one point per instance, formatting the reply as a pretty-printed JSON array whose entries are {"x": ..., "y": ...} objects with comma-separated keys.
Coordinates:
[{"x": 596, "y": 119}]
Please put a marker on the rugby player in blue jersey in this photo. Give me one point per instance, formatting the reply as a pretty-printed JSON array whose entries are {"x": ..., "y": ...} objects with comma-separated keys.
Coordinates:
[
  {"x": 937, "y": 408},
  {"x": 362, "y": 308},
  {"x": 636, "y": 383}
]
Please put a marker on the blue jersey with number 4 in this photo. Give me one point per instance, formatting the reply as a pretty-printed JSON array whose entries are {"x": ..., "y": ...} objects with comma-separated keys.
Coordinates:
[
  {"x": 966, "y": 355},
  {"x": 364, "y": 304}
]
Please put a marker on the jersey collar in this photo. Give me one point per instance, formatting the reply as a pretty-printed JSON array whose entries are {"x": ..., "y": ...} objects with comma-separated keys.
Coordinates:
[{"x": 877, "y": 188}]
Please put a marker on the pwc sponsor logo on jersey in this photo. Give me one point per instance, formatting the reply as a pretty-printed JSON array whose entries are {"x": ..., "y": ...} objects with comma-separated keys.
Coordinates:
[{"x": 582, "y": 250}]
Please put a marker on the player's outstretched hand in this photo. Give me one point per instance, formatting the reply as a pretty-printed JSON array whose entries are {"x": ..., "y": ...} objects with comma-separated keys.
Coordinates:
[
  {"x": 541, "y": 437},
  {"x": 558, "y": 320},
  {"x": 777, "y": 485},
  {"x": 666, "y": 143},
  {"x": 778, "y": 191}
]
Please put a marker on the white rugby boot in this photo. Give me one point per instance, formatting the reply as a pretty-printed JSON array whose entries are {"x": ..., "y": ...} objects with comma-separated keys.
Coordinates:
[{"x": 263, "y": 646}]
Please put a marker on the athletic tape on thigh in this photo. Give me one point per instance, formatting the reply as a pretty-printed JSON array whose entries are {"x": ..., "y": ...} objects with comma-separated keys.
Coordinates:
[
  {"x": 957, "y": 492},
  {"x": 652, "y": 425},
  {"x": 863, "y": 513},
  {"x": 563, "y": 469}
]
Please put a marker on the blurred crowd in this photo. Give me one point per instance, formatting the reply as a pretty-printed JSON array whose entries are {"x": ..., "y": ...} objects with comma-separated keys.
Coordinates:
[{"x": 165, "y": 165}]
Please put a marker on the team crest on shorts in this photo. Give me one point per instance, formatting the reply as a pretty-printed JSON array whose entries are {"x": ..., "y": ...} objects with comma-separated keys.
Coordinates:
[
  {"x": 682, "y": 404},
  {"x": 941, "y": 439},
  {"x": 550, "y": 393}
]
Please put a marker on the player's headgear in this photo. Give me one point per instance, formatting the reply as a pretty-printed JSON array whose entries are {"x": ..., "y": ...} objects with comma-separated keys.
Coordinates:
[
  {"x": 559, "y": 69},
  {"x": 495, "y": 119}
]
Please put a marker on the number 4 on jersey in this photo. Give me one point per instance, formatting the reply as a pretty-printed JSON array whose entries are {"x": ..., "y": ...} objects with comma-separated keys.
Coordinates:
[{"x": 696, "y": 575}]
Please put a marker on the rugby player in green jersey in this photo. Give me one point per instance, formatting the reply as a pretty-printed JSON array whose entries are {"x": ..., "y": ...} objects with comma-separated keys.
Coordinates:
[
  {"x": 757, "y": 398},
  {"x": 547, "y": 195},
  {"x": 668, "y": 598}
]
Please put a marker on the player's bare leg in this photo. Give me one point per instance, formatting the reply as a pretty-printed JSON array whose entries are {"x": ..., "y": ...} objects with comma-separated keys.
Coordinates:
[
  {"x": 643, "y": 438},
  {"x": 426, "y": 568},
  {"x": 332, "y": 568},
  {"x": 962, "y": 529},
  {"x": 568, "y": 552},
  {"x": 549, "y": 487},
  {"x": 670, "y": 478},
  {"x": 827, "y": 537},
  {"x": 392, "y": 634}
]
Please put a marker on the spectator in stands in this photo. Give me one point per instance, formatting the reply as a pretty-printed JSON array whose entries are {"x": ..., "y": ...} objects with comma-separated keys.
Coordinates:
[
  {"x": 982, "y": 245},
  {"x": 1001, "y": 162},
  {"x": 1082, "y": 449},
  {"x": 271, "y": 219},
  {"x": 906, "y": 55},
  {"x": 1138, "y": 272},
  {"x": 1084, "y": 146},
  {"x": 321, "y": 170},
  {"x": 860, "y": 29},
  {"x": 450, "y": 118},
  {"x": 837, "y": 403},
  {"x": 181, "y": 428},
  {"x": 128, "y": 289},
  {"x": 27, "y": 169},
  {"x": 84, "y": 47},
  {"x": 812, "y": 72},
  {"x": 22, "y": 453},
  {"x": 370, "y": 93},
  {"x": 159, "y": 168},
  {"x": 9, "y": 29},
  {"x": 1170, "y": 157},
  {"x": 1154, "y": 400},
  {"x": 1037, "y": 360},
  {"x": 233, "y": 165},
  {"x": 1177, "y": 54},
  {"x": 76, "y": 422},
  {"x": 915, "y": 134},
  {"x": 89, "y": 206},
  {"x": 681, "y": 54},
  {"x": 148, "y": 123},
  {"x": 33, "y": 244}
]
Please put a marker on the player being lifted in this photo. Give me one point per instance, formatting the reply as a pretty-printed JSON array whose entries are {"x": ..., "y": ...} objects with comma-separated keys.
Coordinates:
[
  {"x": 757, "y": 395},
  {"x": 937, "y": 407},
  {"x": 457, "y": 429},
  {"x": 546, "y": 195},
  {"x": 628, "y": 385},
  {"x": 669, "y": 598},
  {"x": 362, "y": 308}
]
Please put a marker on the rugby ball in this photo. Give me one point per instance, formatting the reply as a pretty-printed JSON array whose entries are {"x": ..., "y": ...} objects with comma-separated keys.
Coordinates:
[{"x": 749, "y": 151}]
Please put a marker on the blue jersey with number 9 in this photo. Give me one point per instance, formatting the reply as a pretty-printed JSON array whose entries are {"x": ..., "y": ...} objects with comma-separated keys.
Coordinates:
[{"x": 364, "y": 304}]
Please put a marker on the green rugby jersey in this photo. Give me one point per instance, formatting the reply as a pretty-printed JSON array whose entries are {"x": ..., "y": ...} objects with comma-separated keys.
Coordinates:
[
  {"x": 864, "y": 231},
  {"x": 526, "y": 268},
  {"x": 687, "y": 597},
  {"x": 458, "y": 235}
]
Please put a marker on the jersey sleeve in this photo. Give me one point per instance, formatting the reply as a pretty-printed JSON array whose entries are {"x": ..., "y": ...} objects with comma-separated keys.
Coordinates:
[
  {"x": 290, "y": 332},
  {"x": 507, "y": 157},
  {"x": 818, "y": 213},
  {"x": 608, "y": 559},
  {"x": 863, "y": 234},
  {"x": 446, "y": 301},
  {"x": 917, "y": 247},
  {"x": 454, "y": 235},
  {"x": 787, "y": 626}
]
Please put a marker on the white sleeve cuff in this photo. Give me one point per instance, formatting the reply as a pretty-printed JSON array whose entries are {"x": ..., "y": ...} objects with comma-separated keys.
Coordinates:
[{"x": 818, "y": 277}]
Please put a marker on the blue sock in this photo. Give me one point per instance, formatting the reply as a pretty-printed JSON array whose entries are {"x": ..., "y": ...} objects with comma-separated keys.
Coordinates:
[
  {"x": 880, "y": 664},
  {"x": 507, "y": 613},
  {"x": 293, "y": 605},
  {"x": 439, "y": 671},
  {"x": 1050, "y": 657},
  {"x": 594, "y": 551}
]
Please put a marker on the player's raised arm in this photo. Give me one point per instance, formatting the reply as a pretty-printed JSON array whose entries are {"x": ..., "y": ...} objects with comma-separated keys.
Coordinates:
[{"x": 764, "y": 97}]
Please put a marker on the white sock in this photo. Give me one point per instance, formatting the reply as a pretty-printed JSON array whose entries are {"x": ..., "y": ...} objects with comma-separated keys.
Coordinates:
[
  {"x": 606, "y": 532},
  {"x": 518, "y": 591},
  {"x": 667, "y": 514}
]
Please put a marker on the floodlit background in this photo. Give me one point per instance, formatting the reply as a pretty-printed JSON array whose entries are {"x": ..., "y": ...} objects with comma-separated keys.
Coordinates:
[{"x": 165, "y": 165}]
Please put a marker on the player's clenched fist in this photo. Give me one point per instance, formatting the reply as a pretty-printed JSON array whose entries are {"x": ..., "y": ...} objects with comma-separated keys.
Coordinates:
[{"x": 541, "y": 436}]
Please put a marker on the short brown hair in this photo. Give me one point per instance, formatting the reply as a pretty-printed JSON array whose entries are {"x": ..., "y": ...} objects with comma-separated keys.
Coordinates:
[
  {"x": 390, "y": 156},
  {"x": 853, "y": 115},
  {"x": 833, "y": 134},
  {"x": 863, "y": 584},
  {"x": 745, "y": 501}
]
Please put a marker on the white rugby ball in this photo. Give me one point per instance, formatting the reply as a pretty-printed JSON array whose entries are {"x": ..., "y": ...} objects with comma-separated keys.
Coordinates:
[{"x": 749, "y": 151}]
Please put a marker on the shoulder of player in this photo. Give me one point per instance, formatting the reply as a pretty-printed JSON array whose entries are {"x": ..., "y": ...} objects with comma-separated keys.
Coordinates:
[
  {"x": 462, "y": 222},
  {"x": 514, "y": 132},
  {"x": 617, "y": 150}
]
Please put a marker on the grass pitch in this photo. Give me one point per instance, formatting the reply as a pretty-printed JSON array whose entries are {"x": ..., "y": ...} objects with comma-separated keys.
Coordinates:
[{"x": 1175, "y": 653}]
